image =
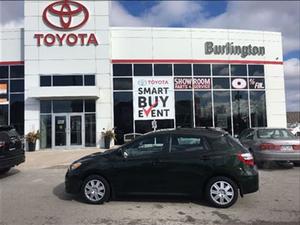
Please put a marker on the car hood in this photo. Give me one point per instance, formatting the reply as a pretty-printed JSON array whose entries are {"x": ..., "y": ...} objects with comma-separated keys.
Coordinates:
[{"x": 98, "y": 155}]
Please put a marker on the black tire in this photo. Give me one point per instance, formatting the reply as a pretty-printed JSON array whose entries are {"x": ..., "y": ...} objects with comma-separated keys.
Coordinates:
[
  {"x": 102, "y": 188},
  {"x": 211, "y": 192},
  {"x": 4, "y": 170}
]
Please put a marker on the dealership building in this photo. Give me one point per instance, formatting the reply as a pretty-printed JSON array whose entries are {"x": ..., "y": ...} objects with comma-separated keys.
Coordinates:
[{"x": 71, "y": 76}]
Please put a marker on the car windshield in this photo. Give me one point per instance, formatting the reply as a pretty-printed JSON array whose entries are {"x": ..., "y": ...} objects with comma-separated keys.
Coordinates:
[{"x": 275, "y": 134}]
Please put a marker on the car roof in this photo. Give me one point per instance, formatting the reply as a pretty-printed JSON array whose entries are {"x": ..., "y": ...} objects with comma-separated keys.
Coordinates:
[{"x": 205, "y": 131}]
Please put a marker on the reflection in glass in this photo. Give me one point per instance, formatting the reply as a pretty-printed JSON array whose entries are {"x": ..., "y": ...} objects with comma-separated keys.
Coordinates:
[
  {"x": 45, "y": 132},
  {"x": 182, "y": 69},
  {"x": 122, "y": 84},
  {"x": 17, "y": 86},
  {"x": 203, "y": 109},
  {"x": 122, "y": 69},
  {"x": 238, "y": 70},
  {"x": 123, "y": 115},
  {"x": 220, "y": 69},
  {"x": 184, "y": 108},
  {"x": 162, "y": 69},
  {"x": 258, "y": 109},
  {"x": 256, "y": 70},
  {"x": 17, "y": 112},
  {"x": 240, "y": 110},
  {"x": 201, "y": 69},
  {"x": 222, "y": 110},
  {"x": 76, "y": 130},
  {"x": 142, "y": 69},
  {"x": 90, "y": 130},
  {"x": 143, "y": 126},
  {"x": 221, "y": 83},
  {"x": 60, "y": 130},
  {"x": 60, "y": 106}
]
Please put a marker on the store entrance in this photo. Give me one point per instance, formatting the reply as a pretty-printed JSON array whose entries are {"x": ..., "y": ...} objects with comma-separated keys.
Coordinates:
[{"x": 68, "y": 130}]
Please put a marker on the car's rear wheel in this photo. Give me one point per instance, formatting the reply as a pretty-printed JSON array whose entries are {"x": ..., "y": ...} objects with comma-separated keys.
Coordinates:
[
  {"x": 95, "y": 190},
  {"x": 221, "y": 192},
  {"x": 5, "y": 170}
]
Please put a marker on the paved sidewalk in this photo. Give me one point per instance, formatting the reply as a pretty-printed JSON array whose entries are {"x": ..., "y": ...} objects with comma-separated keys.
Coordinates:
[{"x": 55, "y": 158}]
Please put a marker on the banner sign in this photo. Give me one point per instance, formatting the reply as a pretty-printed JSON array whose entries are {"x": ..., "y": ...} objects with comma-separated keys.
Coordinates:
[
  {"x": 153, "y": 98},
  {"x": 189, "y": 83}
]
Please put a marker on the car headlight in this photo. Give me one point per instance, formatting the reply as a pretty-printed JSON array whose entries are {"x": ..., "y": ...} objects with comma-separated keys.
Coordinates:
[{"x": 75, "y": 165}]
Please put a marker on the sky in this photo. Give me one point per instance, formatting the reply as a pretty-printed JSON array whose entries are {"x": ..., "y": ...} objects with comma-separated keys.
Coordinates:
[{"x": 281, "y": 16}]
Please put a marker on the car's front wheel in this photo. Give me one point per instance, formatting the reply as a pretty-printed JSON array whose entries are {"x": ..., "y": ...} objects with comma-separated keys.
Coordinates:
[
  {"x": 221, "y": 192},
  {"x": 95, "y": 190}
]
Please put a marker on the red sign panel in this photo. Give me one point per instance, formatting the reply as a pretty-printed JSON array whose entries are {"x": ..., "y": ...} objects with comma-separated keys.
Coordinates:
[{"x": 189, "y": 83}]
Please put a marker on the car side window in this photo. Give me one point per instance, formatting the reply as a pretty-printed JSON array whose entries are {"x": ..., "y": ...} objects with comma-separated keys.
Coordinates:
[
  {"x": 148, "y": 145},
  {"x": 248, "y": 134},
  {"x": 185, "y": 143}
]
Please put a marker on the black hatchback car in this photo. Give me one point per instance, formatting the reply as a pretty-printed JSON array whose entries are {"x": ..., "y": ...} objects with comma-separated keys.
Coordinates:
[
  {"x": 193, "y": 162},
  {"x": 11, "y": 149}
]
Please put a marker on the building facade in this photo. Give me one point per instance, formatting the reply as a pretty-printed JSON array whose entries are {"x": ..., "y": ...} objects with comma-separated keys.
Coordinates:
[{"x": 83, "y": 77}]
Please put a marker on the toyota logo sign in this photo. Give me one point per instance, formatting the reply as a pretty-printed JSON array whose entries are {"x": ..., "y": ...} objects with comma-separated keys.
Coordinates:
[{"x": 63, "y": 15}]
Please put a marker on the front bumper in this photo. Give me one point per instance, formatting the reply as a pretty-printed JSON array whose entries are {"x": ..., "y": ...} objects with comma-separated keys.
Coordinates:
[
  {"x": 12, "y": 161},
  {"x": 277, "y": 156},
  {"x": 73, "y": 183}
]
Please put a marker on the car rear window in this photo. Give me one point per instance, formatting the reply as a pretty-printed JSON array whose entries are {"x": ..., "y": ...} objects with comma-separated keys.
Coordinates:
[
  {"x": 275, "y": 134},
  {"x": 225, "y": 143}
]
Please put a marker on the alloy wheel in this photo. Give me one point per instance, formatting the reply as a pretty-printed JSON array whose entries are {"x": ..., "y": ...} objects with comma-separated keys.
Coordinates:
[
  {"x": 94, "y": 190},
  {"x": 221, "y": 192}
]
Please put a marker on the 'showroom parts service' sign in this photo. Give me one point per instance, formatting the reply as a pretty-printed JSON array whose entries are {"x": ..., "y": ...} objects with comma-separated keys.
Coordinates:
[{"x": 153, "y": 98}]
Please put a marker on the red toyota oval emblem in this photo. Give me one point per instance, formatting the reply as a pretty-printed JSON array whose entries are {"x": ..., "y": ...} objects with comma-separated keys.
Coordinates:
[{"x": 66, "y": 15}]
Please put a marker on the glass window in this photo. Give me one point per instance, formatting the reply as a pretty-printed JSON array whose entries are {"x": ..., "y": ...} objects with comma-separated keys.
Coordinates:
[
  {"x": 221, "y": 83},
  {"x": 202, "y": 69},
  {"x": 256, "y": 70},
  {"x": 203, "y": 109},
  {"x": 142, "y": 69},
  {"x": 65, "y": 106},
  {"x": 182, "y": 69},
  {"x": 223, "y": 143},
  {"x": 17, "y": 112},
  {"x": 70, "y": 80},
  {"x": 184, "y": 108},
  {"x": 122, "y": 83},
  {"x": 143, "y": 126},
  {"x": 45, "y": 106},
  {"x": 17, "y": 71},
  {"x": 17, "y": 86},
  {"x": 238, "y": 70},
  {"x": 275, "y": 134},
  {"x": 90, "y": 130},
  {"x": 3, "y": 72},
  {"x": 123, "y": 111},
  {"x": 148, "y": 146},
  {"x": 220, "y": 69},
  {"x": 164, "y": 124},
  {"x": 3, "y": 114},
  {"x": 187, "y": 143},
  {"x": 90, "y": 106},
  {"x": 89, "y": 80},
  {"x": 240, "y": 110},
  {"x": 122, "y": 69},
  {"x": 162, "y": 69},
  {"x": 46, "y": 131},
  {"x": 247, "y": 134},
  {"x": 45, "y": 81},
  {"x": 258, "y": 109},
  {"x": 222, "y": 110}
]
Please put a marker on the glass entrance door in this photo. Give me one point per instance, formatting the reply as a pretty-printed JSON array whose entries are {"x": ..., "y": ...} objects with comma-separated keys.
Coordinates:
[
  {"x": 76, "y": 130},
  {"x": 68, "y": 130},
  {"x": 60, "y": 135}
]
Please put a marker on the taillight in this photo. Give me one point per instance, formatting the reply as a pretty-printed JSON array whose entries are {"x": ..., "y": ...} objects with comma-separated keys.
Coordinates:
[
  {"x": 246, "y": 158},
  {"x": 269, "y": 146},
  {"x": 296, "y": 147},
  {"x": 2, "y": 144}
]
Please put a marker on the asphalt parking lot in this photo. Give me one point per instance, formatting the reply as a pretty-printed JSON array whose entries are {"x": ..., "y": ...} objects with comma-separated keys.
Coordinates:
[{"x": 33, "y": 193}]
